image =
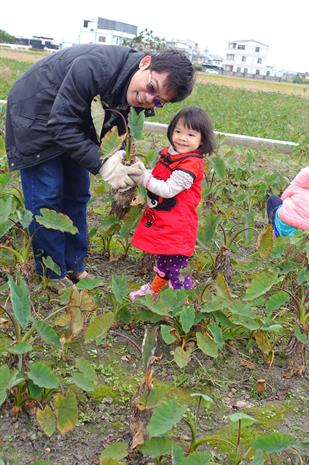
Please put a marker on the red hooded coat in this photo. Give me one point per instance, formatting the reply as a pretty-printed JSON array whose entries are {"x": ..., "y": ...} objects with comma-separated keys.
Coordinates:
[{"x": 170, "y": 227}]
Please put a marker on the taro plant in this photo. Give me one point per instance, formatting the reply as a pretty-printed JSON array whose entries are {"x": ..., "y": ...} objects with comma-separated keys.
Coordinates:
[{"x": 112, "y": 142}]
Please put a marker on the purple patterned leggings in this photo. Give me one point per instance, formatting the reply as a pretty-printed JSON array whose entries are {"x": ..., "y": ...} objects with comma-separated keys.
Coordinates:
[{"x": 169, "y": 267}]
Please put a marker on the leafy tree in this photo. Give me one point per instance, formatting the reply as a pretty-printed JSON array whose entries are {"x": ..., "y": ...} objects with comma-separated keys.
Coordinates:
[
  {"x": 145, "y": 41},
  {"x": 6, "y": 38}
]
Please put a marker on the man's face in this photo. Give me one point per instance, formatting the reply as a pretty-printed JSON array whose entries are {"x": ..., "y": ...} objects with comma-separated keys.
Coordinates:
[{"x": 147, "y": 88}]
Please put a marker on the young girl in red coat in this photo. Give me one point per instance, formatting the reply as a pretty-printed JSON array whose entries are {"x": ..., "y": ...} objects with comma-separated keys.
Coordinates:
[{"x": 168, "y": 227}]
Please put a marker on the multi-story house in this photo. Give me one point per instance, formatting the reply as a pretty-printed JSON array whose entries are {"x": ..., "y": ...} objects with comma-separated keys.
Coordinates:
[
  {"x": 105, "y": 31},
  {"x": 248, "y": 57}
]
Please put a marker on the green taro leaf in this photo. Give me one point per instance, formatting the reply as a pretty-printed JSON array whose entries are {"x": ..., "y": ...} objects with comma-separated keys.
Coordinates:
[
  {"x": 136, "y": 123},
  {"x": 261, "y": 284},
  {"x": 276, "y": 301},
  {"x": 207, "y": 345},
  {"x": 20, "y": 348},
  {"x": 90, "y": 283},
  {"x": 273, "y": 442},
  {"x": 167, "y": 337},
  {"x": 25, "y": 217},
  {"x": 99, "y": 326},
  {"x": 207, "y": 229},
  {"x": 182, "y": 357},
  {"x": 3, "y": 396},
  {"x": 43, "y": 376},
  {"x": 205, "y": 397},
  {"x": 51, "y": 265},
  {"x": 246, "y": 420},
  {"x": 86, "y": 368},
  {"x": 302, "y": 337},
  {"x": 149, "y": 345},
  {"x": 51, "y": 219},
  {"x": 20, "y": 301},
  {"x": 164, "y": 417},
  {"x": 219, "y": 166},
  {"x": 116, "y": 451},
  {"x": 84, "y": 383},
  {"x": 196, "y": 458},
  {"x": 156, "y": 447},
  {"x": 47, "y": 333},
  {"x": 119, "y": 287},
  {"x": 40, "y": 462},
  {"x": 187, "y": 318}
]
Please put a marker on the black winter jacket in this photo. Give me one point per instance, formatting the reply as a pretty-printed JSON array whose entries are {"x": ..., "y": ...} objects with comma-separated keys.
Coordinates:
[{"x": 48, "y": 110}]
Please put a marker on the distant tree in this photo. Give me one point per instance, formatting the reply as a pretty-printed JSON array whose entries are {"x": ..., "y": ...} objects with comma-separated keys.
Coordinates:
[
  {"x": 145, "y": 41},
  {"x": 6, "y": 38}
]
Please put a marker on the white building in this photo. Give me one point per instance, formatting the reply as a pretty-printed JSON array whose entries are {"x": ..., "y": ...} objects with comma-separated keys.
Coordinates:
[
  {"x": 246, "y": 57},
  {"x": 189, "y": 47},
  {"x": 105, "y": 31}
]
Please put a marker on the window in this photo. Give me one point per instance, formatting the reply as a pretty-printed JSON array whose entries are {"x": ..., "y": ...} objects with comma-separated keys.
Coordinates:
[
  {"x": 267, "y": 73},
  {"x": 257, "y": 71},
  {"x": 259, "y": 61},
  {"x": 238, "y": 70},
  {"x": 241, "y": 47},
  {"x": 243, "y": 58},
  {"x": 245, "y": 70},
  {"x": 102, "y": 39},
  {"x": 228, "y": 68},
  {"x": 232, "y": 45},
  {"x": 230, "y": 57},
  {"x": 257, "y": 49}
]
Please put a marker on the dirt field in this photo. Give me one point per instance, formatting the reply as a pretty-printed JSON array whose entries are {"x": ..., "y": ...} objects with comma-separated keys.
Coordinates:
[
  {"x": 255, "y": 85},
  {"x": 229, "y": 81},
  {"x": 21, "y": 55}
]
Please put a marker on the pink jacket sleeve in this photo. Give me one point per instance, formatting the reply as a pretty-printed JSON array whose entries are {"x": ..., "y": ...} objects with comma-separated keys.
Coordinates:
[{"x": 300, "y": 180}]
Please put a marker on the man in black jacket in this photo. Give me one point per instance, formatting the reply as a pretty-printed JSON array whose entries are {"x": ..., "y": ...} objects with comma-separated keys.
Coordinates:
[{"x": 51, "y": 139}]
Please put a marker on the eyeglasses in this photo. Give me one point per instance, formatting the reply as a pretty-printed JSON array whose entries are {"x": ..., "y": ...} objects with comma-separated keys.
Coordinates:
[{"x": 151, "y": 90}]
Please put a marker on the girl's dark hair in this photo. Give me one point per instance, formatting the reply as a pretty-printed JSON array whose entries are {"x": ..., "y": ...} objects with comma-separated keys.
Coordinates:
[
  {"x": 197, "y": 119},
  {"x": 180, "y": 71}
]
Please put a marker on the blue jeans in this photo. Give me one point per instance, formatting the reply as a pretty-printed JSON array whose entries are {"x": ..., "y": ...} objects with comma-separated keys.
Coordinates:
[
  {"x": 62, "y": 185},
  {"x": 272, "y": 205}
]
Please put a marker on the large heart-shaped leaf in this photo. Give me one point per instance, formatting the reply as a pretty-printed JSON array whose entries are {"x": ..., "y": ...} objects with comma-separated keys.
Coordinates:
[
  {"x": 51, "y": 219},
  {"x": 47, "y": 333},
  {"x": 20, "y": 301},
  {"x": 43, "y": 376},
  {"x": 261, "y": 284},
  {"x": 47, "y": 420},
  {"x": 164, "y": 417},
  {"x": 274, "y": 442},
  {"x": 99, "y": 326},
  {"x": 66, "y": 411}
]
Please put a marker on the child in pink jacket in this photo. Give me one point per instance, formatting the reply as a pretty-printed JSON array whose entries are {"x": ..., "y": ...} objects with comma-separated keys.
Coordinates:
[{"x": 291, "y": 212}]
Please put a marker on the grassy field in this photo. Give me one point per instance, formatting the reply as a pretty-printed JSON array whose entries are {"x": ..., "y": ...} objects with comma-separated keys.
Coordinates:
[{"x": 267, "y": 109}]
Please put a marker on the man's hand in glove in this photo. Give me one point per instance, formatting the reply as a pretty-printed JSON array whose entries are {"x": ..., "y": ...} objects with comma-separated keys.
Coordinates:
[{"x": 117, "y": 174}]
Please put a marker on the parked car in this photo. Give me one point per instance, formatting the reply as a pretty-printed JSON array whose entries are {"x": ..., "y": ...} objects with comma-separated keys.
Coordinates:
[{"x": 211, "y": 71}]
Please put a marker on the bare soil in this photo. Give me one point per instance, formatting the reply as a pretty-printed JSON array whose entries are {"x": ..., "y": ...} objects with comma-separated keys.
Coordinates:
[{"x": 104, "y": 416}]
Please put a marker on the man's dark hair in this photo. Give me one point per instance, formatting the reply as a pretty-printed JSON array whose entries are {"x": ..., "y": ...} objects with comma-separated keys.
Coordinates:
[
  {"x": 180, "y": 71},
  {"x": 195, "y": 118}
]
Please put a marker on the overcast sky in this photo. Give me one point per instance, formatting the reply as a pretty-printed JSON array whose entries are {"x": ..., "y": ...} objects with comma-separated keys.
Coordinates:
[{"x": 284, "y": 26}]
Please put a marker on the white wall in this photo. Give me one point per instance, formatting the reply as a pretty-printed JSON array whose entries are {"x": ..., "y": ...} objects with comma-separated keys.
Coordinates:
[{"x": 246, "y": 56}]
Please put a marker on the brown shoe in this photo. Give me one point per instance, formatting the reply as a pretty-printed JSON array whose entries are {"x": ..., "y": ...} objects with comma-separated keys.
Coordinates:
[
  {"x": 59, "y": 284},
  {"x": 75, "y": 277}
]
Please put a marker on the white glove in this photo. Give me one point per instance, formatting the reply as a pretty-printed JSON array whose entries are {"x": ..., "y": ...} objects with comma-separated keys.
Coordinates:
[
  {"x": 117, "y": 174},
  {"x": 141, "y": 178}
]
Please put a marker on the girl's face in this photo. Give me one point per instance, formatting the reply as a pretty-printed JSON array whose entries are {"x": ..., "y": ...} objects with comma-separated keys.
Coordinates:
[{"x": 185, "y": 139}]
